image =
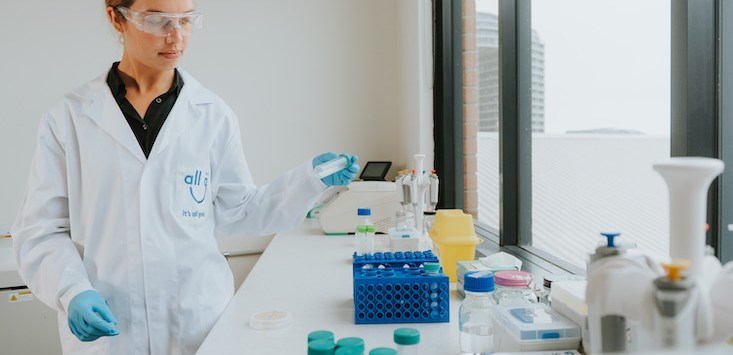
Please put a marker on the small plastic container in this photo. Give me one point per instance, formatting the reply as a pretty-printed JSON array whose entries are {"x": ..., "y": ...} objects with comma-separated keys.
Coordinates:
[
  {"x": 512, "y": 288},
  {"x": 321, "y": 347},
  {"x": 320, "y": 334},
  {"x": 544, "y": 294},
  {"x": 407, "y": 340},
  {"x": 534, "y": 327},
  {"x": 349, "y": 351},
  {"x": 332, "y": 166},
  {"x": 268, "y": 320},
  {"x": 403, "y": 239},
  {"x": 431, "y": 269},
  {"x": 454, "y": 239},
  {"x": 353, "y": 343},
  {"x": 383, "y": 351}
]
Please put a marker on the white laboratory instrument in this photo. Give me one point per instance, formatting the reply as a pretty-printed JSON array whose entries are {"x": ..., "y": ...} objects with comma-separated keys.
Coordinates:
[
  {"x": 419, "y": 194},
  {"x": 623, "y": 286},
  {"x": 688, "y": 179},
  {"x": 339, "y": 216},
  {"x": 27, "y": 326},
  {"x": 675, "y": 301},
  {"x": 620, "y": 298}
]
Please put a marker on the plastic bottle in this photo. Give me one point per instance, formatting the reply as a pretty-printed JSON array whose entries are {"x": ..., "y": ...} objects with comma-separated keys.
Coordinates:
[
  {"x": 332, "y": 166},
  {"x": 371, "y": 230},
  {"x": 407, "y": 340},
  {"x": 361, "y": 230},
  {"x": 476, "y": 325}
]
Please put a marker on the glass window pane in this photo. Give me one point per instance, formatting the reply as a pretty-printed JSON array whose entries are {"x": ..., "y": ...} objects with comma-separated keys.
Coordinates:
[
  {"x": 602, "y": 92},
  {"x": 487, "y": 140}
]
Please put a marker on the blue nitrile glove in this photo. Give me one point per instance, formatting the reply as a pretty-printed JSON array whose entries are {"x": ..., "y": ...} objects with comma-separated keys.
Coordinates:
[
  {"x": 90, "y": 317},
  {"x": 342, "y": 177}
]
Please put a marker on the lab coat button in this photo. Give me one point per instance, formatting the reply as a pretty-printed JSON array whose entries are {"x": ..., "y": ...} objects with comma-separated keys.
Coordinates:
[
  {"x": 158, "y": 100},
  {"x": 145, "y": 127}
]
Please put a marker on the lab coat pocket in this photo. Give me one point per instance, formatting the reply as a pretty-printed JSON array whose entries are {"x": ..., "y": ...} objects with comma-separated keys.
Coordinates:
[{"x": 193, "y": 195}]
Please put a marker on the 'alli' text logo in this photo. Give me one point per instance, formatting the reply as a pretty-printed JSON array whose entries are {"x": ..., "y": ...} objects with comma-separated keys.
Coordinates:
[{"x": 194, "y": 182}]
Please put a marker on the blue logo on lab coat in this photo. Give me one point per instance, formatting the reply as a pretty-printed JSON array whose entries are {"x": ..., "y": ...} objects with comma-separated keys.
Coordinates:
[{"x": 196, "y": 185}]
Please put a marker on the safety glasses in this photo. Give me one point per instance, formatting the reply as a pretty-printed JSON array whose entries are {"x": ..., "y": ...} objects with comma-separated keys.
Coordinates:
[{"x": 163, "y": 24}]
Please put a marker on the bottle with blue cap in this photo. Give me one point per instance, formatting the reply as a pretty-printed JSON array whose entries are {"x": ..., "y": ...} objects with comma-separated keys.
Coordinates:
[
  {"x": 365, "y": 231},
  {"x": 475, "y": 322}
]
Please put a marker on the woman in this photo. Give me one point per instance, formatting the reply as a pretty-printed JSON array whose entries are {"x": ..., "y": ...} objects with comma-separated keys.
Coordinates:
[{"x": 134, "y": 175}]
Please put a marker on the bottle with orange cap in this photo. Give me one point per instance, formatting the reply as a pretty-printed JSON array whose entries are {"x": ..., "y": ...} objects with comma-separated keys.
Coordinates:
[{"x": 676, "y": 305}]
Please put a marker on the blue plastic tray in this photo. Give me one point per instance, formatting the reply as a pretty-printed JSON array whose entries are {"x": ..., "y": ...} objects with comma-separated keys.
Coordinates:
[{"x": 393, "y": 288}]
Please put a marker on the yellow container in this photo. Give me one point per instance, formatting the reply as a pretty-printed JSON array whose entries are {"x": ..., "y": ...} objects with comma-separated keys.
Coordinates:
[{"x": 454, "y": 239}]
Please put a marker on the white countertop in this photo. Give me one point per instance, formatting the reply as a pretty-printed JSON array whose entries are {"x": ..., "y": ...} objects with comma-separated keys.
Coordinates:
[{"x": 309, "y": 275}]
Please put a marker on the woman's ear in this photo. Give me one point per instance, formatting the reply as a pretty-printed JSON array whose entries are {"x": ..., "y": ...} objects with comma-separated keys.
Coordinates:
[{"x": 115, "y": 19}]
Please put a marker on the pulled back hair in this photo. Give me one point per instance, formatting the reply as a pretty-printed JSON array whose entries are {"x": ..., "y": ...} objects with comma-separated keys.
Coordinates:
[{"x": 114, "y": 3}]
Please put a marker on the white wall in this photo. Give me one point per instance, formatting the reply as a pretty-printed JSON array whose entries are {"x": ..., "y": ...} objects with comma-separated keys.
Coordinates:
[{"x": 304, "y": 77}]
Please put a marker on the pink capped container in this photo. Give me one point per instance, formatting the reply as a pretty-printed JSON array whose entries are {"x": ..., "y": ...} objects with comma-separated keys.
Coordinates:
[{"x": 512, "y": 288}]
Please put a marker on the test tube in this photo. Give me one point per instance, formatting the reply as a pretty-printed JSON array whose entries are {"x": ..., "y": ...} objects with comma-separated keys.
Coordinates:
[{"x": 332, "y": 166}]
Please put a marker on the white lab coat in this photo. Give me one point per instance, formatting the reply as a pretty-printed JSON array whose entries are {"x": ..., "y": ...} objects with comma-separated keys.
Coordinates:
[{"x": 99, "y": 215}]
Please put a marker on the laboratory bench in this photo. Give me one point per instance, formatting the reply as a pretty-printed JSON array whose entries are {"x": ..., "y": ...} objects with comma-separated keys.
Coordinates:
[{"x": 309, "y": 275}]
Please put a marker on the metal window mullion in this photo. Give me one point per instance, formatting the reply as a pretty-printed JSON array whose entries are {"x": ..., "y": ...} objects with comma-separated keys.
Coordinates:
[
  {"x": 694, "y": 91},
  {"x": 515, "y": 123},
  {"x": 725, "y": 129},
  {"x": 448, "y": 102}
]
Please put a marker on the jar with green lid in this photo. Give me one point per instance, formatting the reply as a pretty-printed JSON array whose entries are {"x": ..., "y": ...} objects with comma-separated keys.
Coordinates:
[
  {"x": 349, "y": 351},
  {"x": 355, "y": 344},
  {"x": 383, "y": 351},
  {"x": 407, "y": 340},
  {"x": 321, "y": 347},
  {"x": 321, "y": 334}
]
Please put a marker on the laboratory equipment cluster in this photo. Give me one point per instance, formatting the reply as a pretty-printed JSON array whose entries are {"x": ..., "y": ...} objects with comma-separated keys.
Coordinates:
[{"x": 629, "y": 302}]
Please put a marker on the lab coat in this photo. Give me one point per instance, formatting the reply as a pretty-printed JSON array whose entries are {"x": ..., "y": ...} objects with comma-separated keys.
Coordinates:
[{"x": 98, "y": 215}]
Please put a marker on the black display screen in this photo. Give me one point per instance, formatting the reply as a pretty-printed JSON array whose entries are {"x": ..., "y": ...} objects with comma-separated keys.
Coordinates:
[{"x": 375, "y": 170}]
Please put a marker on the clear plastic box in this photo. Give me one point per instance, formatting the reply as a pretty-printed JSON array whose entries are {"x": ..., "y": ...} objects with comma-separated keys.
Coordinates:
[{"x": 533, "y": 327}]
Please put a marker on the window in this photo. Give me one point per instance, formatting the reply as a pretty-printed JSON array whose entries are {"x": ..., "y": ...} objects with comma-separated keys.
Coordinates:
[
  {"x": 590, "y": 95},
  {"x": 600, "y": 119},
  {"x": 486, "y": 42}
]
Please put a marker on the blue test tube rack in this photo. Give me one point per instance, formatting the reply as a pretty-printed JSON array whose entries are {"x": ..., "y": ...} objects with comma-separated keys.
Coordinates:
[{"x": 393, "y": 288}]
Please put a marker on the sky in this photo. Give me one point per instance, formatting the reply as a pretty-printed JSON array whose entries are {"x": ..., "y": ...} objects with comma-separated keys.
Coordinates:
[{"x": 607, "y": 63}]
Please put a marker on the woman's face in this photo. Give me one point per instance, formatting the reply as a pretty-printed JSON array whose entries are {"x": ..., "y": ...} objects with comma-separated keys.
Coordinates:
[{"x": 155, "y": 51}]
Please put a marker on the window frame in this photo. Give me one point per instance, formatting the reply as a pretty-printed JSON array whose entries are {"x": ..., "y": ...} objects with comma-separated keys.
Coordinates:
[{"x": 701, "y": 117}]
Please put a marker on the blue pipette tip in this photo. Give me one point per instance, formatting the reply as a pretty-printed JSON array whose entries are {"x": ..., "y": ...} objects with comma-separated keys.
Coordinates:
[{"x": 611, "y": 237}]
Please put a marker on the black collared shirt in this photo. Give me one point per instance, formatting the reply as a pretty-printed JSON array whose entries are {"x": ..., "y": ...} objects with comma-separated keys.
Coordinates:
[{"x": 147, "y": 129}]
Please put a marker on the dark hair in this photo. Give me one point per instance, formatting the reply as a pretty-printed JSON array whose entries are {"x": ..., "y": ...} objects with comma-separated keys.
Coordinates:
[{"x": 115, "y": 3}]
